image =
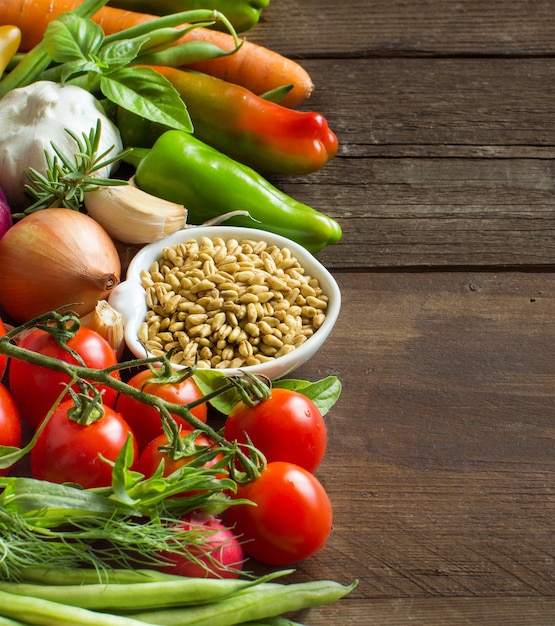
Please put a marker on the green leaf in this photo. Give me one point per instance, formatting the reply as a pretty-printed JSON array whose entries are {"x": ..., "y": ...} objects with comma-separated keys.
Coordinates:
[
  {"x": 121, "y": 53},
  {"x": 122, "y": 476},
  {"x": 71, "y": 38},
  {"x": 210, "y": 381},
  {"x": 10, "y": 455},
  {"x": 278, "y": 94},
  {"x": 149, "y": 94},
  {"x": 72, "y": 68},
  {"x": 53, "y": 503},
  {"x": 324, "y": 393}
]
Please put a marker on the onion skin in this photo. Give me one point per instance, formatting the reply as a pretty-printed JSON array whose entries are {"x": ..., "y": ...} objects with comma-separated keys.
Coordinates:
[{"x": 55, "y": 259}]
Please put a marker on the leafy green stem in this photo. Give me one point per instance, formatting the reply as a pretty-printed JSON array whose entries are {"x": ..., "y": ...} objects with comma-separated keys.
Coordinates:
[{"x": 77, "y": 371}]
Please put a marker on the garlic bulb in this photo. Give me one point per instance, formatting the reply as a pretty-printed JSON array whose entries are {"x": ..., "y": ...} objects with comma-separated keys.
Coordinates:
[{"x": 34, "y": 117}]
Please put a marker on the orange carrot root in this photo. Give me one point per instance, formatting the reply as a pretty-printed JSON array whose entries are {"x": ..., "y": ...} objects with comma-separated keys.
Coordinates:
[{"x": 253, "y": 66}]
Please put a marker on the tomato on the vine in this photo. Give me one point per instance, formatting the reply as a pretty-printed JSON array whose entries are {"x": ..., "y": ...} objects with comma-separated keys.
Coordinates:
[
  {"x": 145, "y": 421},
  {"x": 3, "y": 357},
  {"x": 155, "y": 452},
  {"x": 36, "y": 388},
  {"x": 292, "y": 518},
  {"x": 69, "y": 451},
  {"x": 287, "y": 426},
  {"x": 10, "y": 423}
]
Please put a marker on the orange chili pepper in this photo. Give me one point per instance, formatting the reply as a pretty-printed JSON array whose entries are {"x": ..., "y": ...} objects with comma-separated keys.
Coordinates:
[{"x": 267, "y": 136}]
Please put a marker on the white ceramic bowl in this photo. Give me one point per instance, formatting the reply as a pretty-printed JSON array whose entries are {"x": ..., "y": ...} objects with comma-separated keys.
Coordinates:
[{"x": 129, "y": 296}]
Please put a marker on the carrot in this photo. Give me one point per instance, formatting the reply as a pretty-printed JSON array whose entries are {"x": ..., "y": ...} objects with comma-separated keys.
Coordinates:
[{"x": 253, "y": 66}]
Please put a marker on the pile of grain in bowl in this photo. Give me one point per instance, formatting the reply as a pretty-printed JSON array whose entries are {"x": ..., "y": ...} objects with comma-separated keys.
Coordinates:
[{"x": 229, "y": 304}]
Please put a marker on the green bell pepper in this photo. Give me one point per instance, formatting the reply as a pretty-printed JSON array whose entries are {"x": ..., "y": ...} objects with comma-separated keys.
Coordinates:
[
  {"x": 243, "y": 14},
  {"x": 182, "y": 169}
]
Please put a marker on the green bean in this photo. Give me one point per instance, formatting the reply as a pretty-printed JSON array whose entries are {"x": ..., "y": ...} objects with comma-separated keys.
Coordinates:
[
  {"x": 87, "y": 576},
  {"x": 138, "y": 596},
  {"x": 161, "y": 38},
  {"x": 6, "y": 621},
  {"x": 45, "y": 613},
  {"x": 258, "y": 603},
  {"x": 183, "y": 54},
  {"x": 273, "y": 621},
  {"x": 192, "y": 18}
]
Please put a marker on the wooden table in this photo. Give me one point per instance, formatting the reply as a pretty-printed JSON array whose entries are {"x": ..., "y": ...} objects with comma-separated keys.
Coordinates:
[{"x": 441, "y": 459}]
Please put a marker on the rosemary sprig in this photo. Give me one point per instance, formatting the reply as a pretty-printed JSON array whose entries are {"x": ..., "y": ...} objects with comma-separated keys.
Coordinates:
[{"x": 66, "y": 181}]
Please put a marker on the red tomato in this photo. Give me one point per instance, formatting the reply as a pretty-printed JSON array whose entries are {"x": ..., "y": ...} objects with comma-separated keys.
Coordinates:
[
  {"x": 292, "y": 518},
  {"x": 152, "y": 455},
  {"x": 145, "y": 420},
  {"x": 218, "y": 555},
  {"x": 66, "y": 451},
  {"x": 3, "y": 357},
  {"x": 10, "y": 424},
  {"x": 35, "y": 388},
  {"x": 286, "y": 427}
]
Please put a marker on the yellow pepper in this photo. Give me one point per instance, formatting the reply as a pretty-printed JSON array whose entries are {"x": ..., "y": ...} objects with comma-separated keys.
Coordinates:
[{"x": 10, "y": 38}]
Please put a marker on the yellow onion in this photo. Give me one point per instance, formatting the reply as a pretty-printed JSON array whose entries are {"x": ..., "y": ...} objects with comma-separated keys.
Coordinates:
[{"x": 56, "y": 258}]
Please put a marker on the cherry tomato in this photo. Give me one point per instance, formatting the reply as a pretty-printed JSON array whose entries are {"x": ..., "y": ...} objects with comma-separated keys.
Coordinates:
[
  {"x": 286, "y": 427},
  {"x": 3, "y": 357},
  {"x": 152, "y": 455},
  {"x": 35, "y": 388},
  {"x": 67, "y": 451},
  {"x": 10, "y": 423},
  {"x": 145, "y": 420},
  {"x": 292, "y": 518},
  {"x": 218, "y": 555}
]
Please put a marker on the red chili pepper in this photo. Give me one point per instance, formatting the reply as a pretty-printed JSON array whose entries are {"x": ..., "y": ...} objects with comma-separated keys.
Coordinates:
[{"x": 269, "y": 137}]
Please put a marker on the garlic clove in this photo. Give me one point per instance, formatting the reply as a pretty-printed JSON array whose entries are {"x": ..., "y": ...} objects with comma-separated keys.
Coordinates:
[
  {"x": 131, "y": 215},
  {"x": 108, "y": 323}
]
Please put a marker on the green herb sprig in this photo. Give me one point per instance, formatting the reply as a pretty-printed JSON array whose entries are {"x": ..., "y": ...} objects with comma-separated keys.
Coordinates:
[{"x": 65, "y": 182}]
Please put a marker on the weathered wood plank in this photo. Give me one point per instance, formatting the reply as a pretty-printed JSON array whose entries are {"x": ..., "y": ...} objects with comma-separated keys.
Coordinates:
[
  {"x": 437, "y": 212},
  {"x": 441, "y": 162},
  {"x": 385, "y": 107},
  {"x": 437, "y": 612},
  {"x": 311, "y": 29},
  {"x": 440, "y": 463}
]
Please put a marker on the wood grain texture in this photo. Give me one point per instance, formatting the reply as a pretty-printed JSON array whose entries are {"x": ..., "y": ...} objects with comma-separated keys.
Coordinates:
[
  {"x": 440, "y": 465},
  {"x": 354, "y": 29},
  {"x": 442, "y": 162}
]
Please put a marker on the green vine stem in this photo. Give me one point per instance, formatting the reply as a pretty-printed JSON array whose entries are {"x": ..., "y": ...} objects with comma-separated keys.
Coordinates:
[{"x": 250, "y": 388}]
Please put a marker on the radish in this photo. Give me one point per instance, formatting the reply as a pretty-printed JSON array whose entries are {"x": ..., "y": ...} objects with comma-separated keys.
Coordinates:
[{"x": 217, "y": 554}]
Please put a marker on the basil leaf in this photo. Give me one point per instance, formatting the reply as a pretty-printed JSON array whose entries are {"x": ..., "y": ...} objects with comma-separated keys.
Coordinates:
[
  {"x": 324, "y": 393},
  {"x": 76, "y": 68},
  {"x": 121, "y": 53},
  {"x": 72, "y": 38},
  {"x": 209, "y": 381},
  {"x": 149, "y": 94}
]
